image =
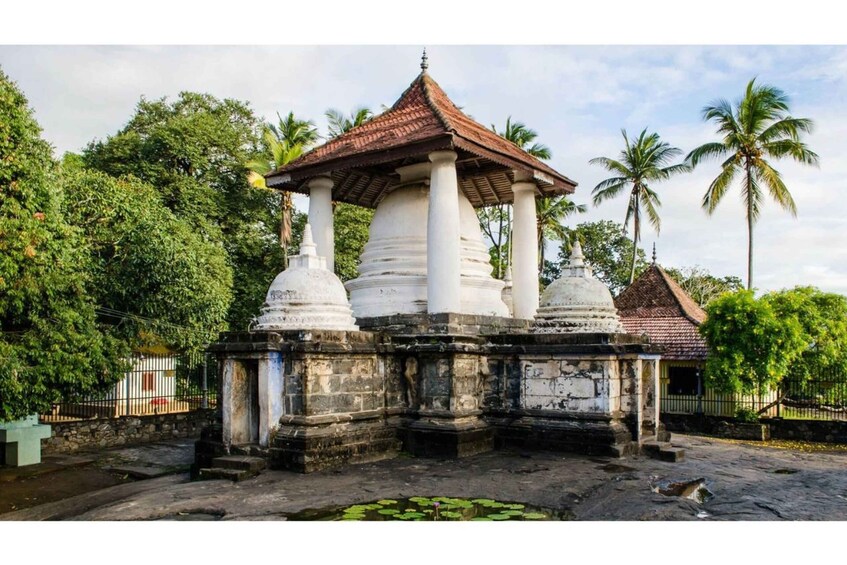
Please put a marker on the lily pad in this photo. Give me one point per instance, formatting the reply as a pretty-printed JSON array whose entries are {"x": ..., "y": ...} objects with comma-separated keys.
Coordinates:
[
  {"x": 388, "y": 511},
  {"x": 481, "y": 519},
  {"x": 534, "y": 516},
  {"x": 512, "y": 512},
  {"x": 499, "y": 516},
  {"x": 515, "y": 506},
  {"x": 386, "y": 502}
]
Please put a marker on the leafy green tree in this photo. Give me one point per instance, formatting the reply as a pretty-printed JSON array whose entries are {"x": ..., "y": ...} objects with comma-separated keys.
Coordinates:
[
  {"x": 702, "y": 286},
  {"x": 338, "y": 123},
  {"x": 150, "y": 271},
  {"x": 193, "y": 152},
  {"x": 758, "y": 128},
  {"x": 352, "y": 224},
  {"x": 51, "y": 344},
  {"x": 823, "y": 319},
  {"x": 643, "y": 160},
  {"x": 751, "y": 348},
  {"x": 607, "y": 250}
]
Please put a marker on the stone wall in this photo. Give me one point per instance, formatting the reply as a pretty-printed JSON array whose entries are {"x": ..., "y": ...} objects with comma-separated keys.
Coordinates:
[
  {"x": 68, "y": 437},
  {"x": 826, "y": 431}
]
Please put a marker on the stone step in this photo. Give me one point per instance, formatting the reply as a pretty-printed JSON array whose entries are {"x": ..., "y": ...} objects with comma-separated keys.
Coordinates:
[
  {"x": 220, "y": 473},
  {"x": 653, "y": 447},
  {"x": 249, "y": 449},
  {"x": 240, "y": 462},
  {"x": 663, "y": 451},
  {"x": 671, "y": 454}
]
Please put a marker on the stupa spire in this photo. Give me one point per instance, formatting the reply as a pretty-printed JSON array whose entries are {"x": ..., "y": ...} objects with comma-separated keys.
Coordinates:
[
  {"x": 308, "y": 247},
  {"x": 654, "y": 252},
  {"x": 424, "y": 61}
]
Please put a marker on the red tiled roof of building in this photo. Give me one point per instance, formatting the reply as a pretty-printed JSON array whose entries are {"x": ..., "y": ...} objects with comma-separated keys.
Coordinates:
[
  {"x": 423, "y": 119},
  {"x": 656, "y": 305},
  {"x": 677, "y": 335},
  {"x": 655, "y": 294}
]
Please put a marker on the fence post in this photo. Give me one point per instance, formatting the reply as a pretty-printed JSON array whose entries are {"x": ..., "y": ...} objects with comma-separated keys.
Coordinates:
[
  {"x": 204, "y": 400},
  {"x": 699, "y": 391},
  {"x": 127, "y": 387},
  {"x": 778, "y": 397}
]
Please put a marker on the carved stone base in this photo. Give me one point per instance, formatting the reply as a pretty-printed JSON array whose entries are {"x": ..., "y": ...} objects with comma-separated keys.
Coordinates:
[
  {"x": 448, "y": 439},
  {"x": 590, "y": 435},
  {"x": 307, "y": 448}
]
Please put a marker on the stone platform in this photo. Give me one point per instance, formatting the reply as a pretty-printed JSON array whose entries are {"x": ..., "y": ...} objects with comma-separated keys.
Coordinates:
[{"x": 439, "y": 386}]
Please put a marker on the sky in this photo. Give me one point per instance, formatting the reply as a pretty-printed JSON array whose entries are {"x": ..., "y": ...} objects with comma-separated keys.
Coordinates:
[{"x": 578, "y": 98}]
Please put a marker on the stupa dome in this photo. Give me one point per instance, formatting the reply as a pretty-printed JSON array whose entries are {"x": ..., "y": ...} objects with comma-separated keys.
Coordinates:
[
  {"x": 577, "y": 302},
  {"x": 393, "y": 269},
  {"x": 306, "y": 296}
]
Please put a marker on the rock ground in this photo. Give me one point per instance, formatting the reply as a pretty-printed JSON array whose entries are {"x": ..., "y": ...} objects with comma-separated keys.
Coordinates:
[{"x": 749, "y": 482}]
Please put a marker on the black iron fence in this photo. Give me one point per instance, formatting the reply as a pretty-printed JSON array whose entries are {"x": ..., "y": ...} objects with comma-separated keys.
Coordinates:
[
  {"x": 155, "y": 384},
  {"x": 816, "y": 399}
]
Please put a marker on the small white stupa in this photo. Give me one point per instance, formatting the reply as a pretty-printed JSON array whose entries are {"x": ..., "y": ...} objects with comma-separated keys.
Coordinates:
[
  {"x": 306, "y": 296},
  {"x": 577, "y": 302}
]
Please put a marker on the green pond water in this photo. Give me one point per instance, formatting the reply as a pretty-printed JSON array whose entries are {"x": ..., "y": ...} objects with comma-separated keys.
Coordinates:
[{"x": 439, "y": 508}]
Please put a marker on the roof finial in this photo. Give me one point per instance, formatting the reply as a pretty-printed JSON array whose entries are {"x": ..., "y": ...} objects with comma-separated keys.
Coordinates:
[
  {"x": 654, "y": 252},
  {"x": 424, "y": 61}
]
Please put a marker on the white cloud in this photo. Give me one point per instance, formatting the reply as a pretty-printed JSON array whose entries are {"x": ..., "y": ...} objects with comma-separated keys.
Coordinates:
[{"x": 577, "y": 98}]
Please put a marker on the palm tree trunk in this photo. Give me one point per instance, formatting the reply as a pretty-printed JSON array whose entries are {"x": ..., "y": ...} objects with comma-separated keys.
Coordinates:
[
  {"x": 635, "y": 236},
  {"x": 634, "y": 254},
  {"x": 749, "y": 230}
]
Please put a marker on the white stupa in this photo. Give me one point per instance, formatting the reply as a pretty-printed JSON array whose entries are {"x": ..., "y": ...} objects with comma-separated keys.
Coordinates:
[
  {"x": 306, "y": 296},
  {"x": 577, "y": 302},
  {"x": 393, "y": 270}
]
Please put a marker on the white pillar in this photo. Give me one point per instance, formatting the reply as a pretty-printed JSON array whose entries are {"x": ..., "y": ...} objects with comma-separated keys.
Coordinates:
[
  {"x": 524, "y": 249},
  {"x": 320, "y": 218},
  {"x": 443, "y": 263}
]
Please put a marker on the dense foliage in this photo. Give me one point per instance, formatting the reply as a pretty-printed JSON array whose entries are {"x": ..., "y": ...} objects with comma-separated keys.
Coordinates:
[
  {"x": 193, "y": 151},
  {"x": 51, "y": 345},
  {"x": 751, "y": 348},
  {"x": 161, "y": 281},
  {"x": 352, "y": 224},
  {"x": 823, "y": 321}
]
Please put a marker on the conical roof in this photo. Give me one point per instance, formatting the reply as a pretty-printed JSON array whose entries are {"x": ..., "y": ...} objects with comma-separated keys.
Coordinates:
[
  {"x": 654, "y": 304},
  {"x": 362, "y": 160},
  {"x": 654, "y": 294}
]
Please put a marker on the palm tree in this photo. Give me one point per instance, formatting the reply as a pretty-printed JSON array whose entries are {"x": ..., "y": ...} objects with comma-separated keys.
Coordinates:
[
  {"x": 522, "y": 136},
  {"x": 338, "y": 123},
  {"x": 758, "y": 127},
  {"x": 551, "y": 213},
  {"x": 643, "y": 160},
  {"x": 285, "y": 141}
]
